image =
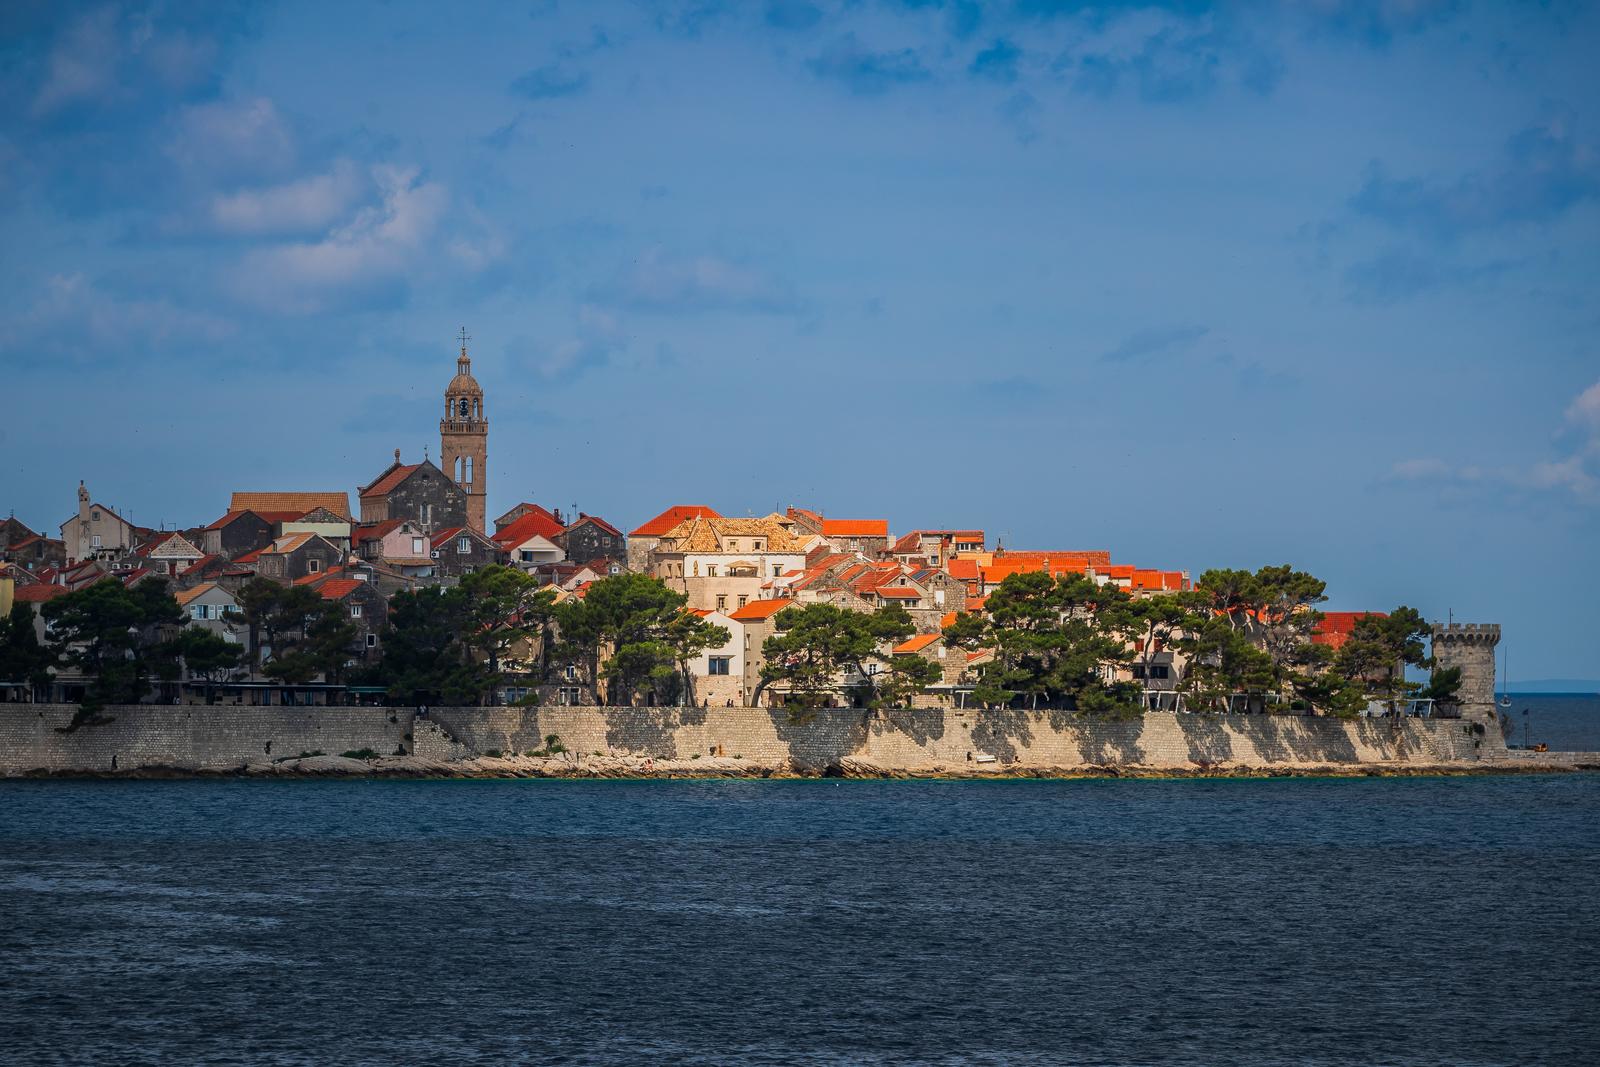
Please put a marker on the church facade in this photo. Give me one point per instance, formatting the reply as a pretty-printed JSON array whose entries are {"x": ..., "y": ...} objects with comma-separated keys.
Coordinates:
[{"x": 464, "y": 439}]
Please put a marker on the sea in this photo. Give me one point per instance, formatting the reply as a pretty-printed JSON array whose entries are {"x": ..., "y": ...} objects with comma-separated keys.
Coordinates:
[{"x": 1323, "y": 921}]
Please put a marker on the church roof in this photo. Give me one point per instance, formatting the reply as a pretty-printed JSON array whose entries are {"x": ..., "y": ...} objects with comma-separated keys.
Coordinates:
[{"x": 397, "y": 473}]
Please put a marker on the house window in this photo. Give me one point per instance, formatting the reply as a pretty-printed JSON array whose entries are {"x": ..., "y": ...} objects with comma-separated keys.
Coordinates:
[
  {"x": 1138, "y": 672},
  {"x": 743, "y": 600},
  {"x": 198, "y": 611},
  {"x": 355, "y": 611},
  {"x": 722, "y": 603},
  {"x": 463, "y": 546},
  {"x": 733, "y": 546},
  {"x": 95, "y": 540},
  {"x": 525, "y": 556},
  {"x": 571, "y": 672},
  {"x": 718, "y": 664},
  {"x": 1160, "y": 670},
  {"x": 314, "y": 565},
  {"x": 711, "y": 570},
  {"x": 760, "y": 546},
  {"x": 416, "y": 546},
  {"x": 777, "y": 570},
  {"x": 372, "y": 640},
  {"x": 95, "y": 515}
]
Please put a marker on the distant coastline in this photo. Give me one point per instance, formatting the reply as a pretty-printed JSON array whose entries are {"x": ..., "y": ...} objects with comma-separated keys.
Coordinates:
[{"x": 1555, "y": 687}]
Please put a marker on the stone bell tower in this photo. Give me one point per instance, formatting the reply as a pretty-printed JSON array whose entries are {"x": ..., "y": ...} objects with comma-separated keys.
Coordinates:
[
  {"x": 1470, "y": 646},
  {"x": 464, "y": 438}
]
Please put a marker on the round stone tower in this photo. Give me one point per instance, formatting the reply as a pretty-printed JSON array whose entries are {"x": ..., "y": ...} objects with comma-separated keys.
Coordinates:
[
  {"x": 1470, "y": 646},
  {"x": 464, "y": 438}
]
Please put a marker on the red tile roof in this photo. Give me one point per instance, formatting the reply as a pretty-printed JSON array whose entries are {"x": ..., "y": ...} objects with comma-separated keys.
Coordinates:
[
  {"x": 397, "y": 473},
  {"x": 536, "y": 523},
  {"x": 598, "y": 521},
  {"x": 855, "y": 527},
  {"x": 757, "y": 610},
  {"x": 916, "y": 644},
  {"x": 40, "y": 593},
  {"x": 375, "y": 531},
  {"x": 664, "y": 522},
  {"x": 899, "y": 592},
  {"x": 339, "y": 588},
  {"x": 1337, "y": 627}
]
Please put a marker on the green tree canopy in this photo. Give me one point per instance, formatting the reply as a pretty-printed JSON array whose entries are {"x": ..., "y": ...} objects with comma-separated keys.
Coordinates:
[
  {"x": 118, "y": 637},
  {"x": 23, "y": 658},
  {"x": 306, "y": 634}
]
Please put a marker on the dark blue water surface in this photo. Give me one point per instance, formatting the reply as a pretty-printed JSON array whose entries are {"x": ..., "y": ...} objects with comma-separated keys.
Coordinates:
[
  {"x": 1364, "y": 921},
  {"x": 1567, "y": 722}
]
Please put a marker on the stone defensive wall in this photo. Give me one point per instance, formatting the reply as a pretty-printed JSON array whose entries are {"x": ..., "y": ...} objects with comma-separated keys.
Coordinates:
[{"x": 220, "y": 739}]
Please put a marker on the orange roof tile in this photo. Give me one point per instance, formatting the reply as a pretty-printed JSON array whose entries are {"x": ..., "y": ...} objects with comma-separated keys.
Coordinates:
[
  {"x": 855, "y": 527},
  {"x": 397, "y": 473},
  {"x": 899, "y": 592},
  {"x": 39, "y": 594},
  {"x": 339, "y": 588},
  {"x": 1337, "y": 627},
  {"x": 916, "y": 644},
  {"x": 757, "y": 610},
  {"x": 183, "y": 596},
  {"x": 948, "y": 619},
  {"x": 299, "y": 503},
  {"x": 664, "y": 522}
]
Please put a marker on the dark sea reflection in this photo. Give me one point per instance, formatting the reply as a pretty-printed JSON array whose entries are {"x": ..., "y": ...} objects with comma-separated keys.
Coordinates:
[{"x": 1407, "y": 921}]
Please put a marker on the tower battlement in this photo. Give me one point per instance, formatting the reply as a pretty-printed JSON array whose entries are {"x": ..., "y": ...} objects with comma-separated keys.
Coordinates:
[{"x": 1473, "y": 632}]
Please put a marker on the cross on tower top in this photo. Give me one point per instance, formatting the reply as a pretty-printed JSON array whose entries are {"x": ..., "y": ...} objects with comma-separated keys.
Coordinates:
[{"x": 464, "y": 337}]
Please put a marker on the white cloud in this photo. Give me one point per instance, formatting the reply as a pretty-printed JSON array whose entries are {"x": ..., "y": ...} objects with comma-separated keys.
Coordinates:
[
  {"x": 368, "y": 255},
  {"x": 72, "y": 317},
  {"x": 597, "y": 340},
  {"x": 659, "y": 282},
  {"x": 1585, "y": 410},
  {"x": 83, "y": 63},
  {"x": 1577, "y": 472},
  {"x": 232, "y": 137},
  {"x": 307, "y": 205}
]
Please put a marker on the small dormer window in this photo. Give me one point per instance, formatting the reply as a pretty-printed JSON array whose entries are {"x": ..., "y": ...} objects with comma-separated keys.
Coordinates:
[
  {"x": 463, "y": 545},
  {"x": 94, "y": 515}
]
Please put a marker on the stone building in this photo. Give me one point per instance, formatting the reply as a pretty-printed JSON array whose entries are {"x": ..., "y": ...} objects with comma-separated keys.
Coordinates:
[
  {"x": 532, "y": 538},
  {"x": 591, "y": 538},
  {"x": 464, "y": 441},
  {"x": 293, "y": 557},
  {"x": 98, "y": 532},
  {"x": 718, "y": 673},
  {"x": 723, "y": 564},
  {"x": 463, "y": 550},
  {"x": 30, "y": 550},
  {"x": 757, "y": 621},
  {"x": 367, "y": 610},
  {"x": 210, "y": 606},
  {"x": 239, "y": 532},
  {"x": 643, "y": 540},
  {"x": 420, "y": 492}
]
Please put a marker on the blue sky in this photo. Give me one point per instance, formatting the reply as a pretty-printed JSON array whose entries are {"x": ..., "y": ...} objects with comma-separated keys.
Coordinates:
[{"x": 1203, "y": 285}]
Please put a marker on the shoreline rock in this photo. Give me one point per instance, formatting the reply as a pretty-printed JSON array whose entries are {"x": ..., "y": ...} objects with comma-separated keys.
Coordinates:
[{"x": 637, "y": 768}]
